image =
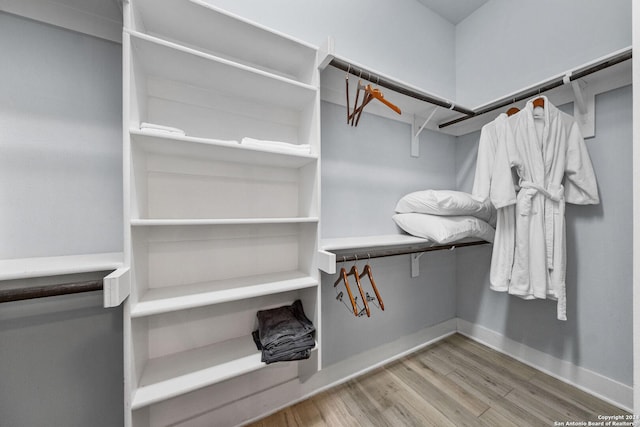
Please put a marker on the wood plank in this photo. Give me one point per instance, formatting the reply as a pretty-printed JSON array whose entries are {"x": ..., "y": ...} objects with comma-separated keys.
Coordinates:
[
  {"x": 307, "y": 413},
  {"x": 494, "y": 418},
  {"x": 333, "y": 409},
  {"x": 365, "y": 410},
  {"x": 489, "y": 380},
  {"x": 400, "y": 404},
  {"x": 499, "y": 373},
  {"x": 447, "y": 405},
  {"x": 468, "y": 401},
  {"x": 478, "y": 387},
  {"x": 514, "y": 367},
  {"x": 561, "y": 390},
  {"x": 555, "y": 403},
  {"x": 430, "y": 359}
]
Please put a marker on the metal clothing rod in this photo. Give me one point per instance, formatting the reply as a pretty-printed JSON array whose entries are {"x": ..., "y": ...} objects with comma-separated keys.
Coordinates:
[
  {"x": 18, "y": 294},
  {"x": 544, "y": 87},
  {"x": 380, "y": 81},
  {"x": 413, "y": 250}
]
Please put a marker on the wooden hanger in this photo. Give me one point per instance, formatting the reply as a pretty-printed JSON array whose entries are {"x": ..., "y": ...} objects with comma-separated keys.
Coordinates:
[
  {"x": 380, "y": 97},
  {"x": 354, "y": 272},
  {"x": 369, "y": 94},
  {"x": 346, "y": 80},
  {"x": 367, "y": 271},
  {"x": 511, "y": 111},
  {"x": 343, "y": 277},
  {"x": 538, "y": 102},
  {"x": 357, "y": 110}
]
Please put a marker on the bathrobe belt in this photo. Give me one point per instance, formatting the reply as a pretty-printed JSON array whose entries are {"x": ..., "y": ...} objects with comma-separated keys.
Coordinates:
[{"x": 555, "y": 194}]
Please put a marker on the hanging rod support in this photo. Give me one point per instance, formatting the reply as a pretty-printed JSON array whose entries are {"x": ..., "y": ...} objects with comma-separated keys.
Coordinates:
[
  {"x": 415, "y": 264},
  {"x": 415, "y": 136}
]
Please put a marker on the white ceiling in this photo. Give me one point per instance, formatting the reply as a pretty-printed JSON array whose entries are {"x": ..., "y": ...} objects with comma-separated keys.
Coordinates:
[{"x": 453, "y": 11}]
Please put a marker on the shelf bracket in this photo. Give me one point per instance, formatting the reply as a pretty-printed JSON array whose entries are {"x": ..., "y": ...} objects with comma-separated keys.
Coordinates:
[
  {"x": 415, "y": 264},
  {"x": 327, "y": 261},
  {"x": 415, "y": 135},
  {"x": 583, "y": 106},
  {"x": 117, "y": 287}
]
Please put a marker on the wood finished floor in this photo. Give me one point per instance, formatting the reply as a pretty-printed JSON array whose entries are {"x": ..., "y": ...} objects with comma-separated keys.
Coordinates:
[{"x": 455, "y": 382}]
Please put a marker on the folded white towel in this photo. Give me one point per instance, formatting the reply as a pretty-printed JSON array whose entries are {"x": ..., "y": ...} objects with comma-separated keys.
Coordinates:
[
  {"x": 144, "y": 126},
  {"x": 277, "y": 145}
]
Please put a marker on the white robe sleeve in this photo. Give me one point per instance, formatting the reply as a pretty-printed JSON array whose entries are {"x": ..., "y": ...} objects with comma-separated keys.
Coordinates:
[
  {"x": 503, "y": 189},
  {"x": 484, "y": 163},
  {"x": 580, "y": 186}
]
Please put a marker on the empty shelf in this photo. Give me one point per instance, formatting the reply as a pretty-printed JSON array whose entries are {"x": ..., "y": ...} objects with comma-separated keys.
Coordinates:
[
  {"x": 197, "y": 23},
  {"x": 176, "y": 374},
  {"x": 162, "y": 300},
  {"x": 173, "y": 62}
]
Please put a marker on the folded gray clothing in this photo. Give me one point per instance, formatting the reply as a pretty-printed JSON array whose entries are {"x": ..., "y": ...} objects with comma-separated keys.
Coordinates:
[
  {"x": 284, "y": 324},
  {"x": 298, "y": 355},
  {"x": 284, "y": 334},
  {"x": 289, "y": 347}
]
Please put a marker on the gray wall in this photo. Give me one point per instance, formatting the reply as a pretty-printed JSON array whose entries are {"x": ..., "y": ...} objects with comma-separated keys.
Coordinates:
[
  {"x": 507, "y": 45},
  {"x": 61, "y": 362},
  {"x": 60, "y": 193},
  {"x": 60, "y": 141},
  {"x": 598, "y": 332},
  {"x": 399, "y": 38},
  {"x": 365, "y": 171}
]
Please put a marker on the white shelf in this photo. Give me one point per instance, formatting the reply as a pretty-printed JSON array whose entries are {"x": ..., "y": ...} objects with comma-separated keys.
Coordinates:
[
  {"x": 24, "y": 268},
  {"x": 170, "y": 61},
  {"x": 163, "y": 300},
  {"x": 231, "y": 151},
  {"x": 208, "y": 28},
  {"x": 345, "y": 243},
  {"x": 223, "y": 221},
  {"x": 177, "y": 374},
  {"x": 389, "y": 245}
]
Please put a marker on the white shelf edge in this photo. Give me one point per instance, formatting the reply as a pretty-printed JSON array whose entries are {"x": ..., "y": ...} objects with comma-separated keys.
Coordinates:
[
  {"x": 25, "y": 268},
  {"x": 344, "y": 243},
  {"x": 223, "y": 221},
  {"x": 172, "y": 387},
  {"x": 223, "y": 61},
  {"x": 199, "y": 299},
  {"x": 268, "y": 30},
  {"x": 216, "y": 143}
]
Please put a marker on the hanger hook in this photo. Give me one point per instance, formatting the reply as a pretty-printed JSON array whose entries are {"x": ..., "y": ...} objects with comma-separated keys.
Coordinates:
[
  {"x": 349, "y": 69},
  {"x": 378, "y": 82},
  {"x": 360, "y": 76}
]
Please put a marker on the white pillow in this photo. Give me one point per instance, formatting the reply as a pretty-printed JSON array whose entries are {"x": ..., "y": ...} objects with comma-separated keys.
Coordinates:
[
  {"x": 446, "y": 203},
  {"x": 444, "y": 229}
]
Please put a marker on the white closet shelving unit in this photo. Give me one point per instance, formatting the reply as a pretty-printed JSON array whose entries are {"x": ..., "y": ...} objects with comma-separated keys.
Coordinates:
[{"x": 217, "y": 230}]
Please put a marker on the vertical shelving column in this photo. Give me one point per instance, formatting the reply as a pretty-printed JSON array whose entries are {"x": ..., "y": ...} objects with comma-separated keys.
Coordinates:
[{"x": 222, "y": 215}]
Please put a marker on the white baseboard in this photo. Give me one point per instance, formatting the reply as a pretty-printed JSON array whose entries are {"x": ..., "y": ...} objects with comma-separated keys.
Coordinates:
[{"x": 614, "y": 392}]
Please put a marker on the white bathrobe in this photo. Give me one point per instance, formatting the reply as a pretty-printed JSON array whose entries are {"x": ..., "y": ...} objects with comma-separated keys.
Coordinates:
[
  {"x": 553, "y": 165},
  {"x": 494, "y": 134}
]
